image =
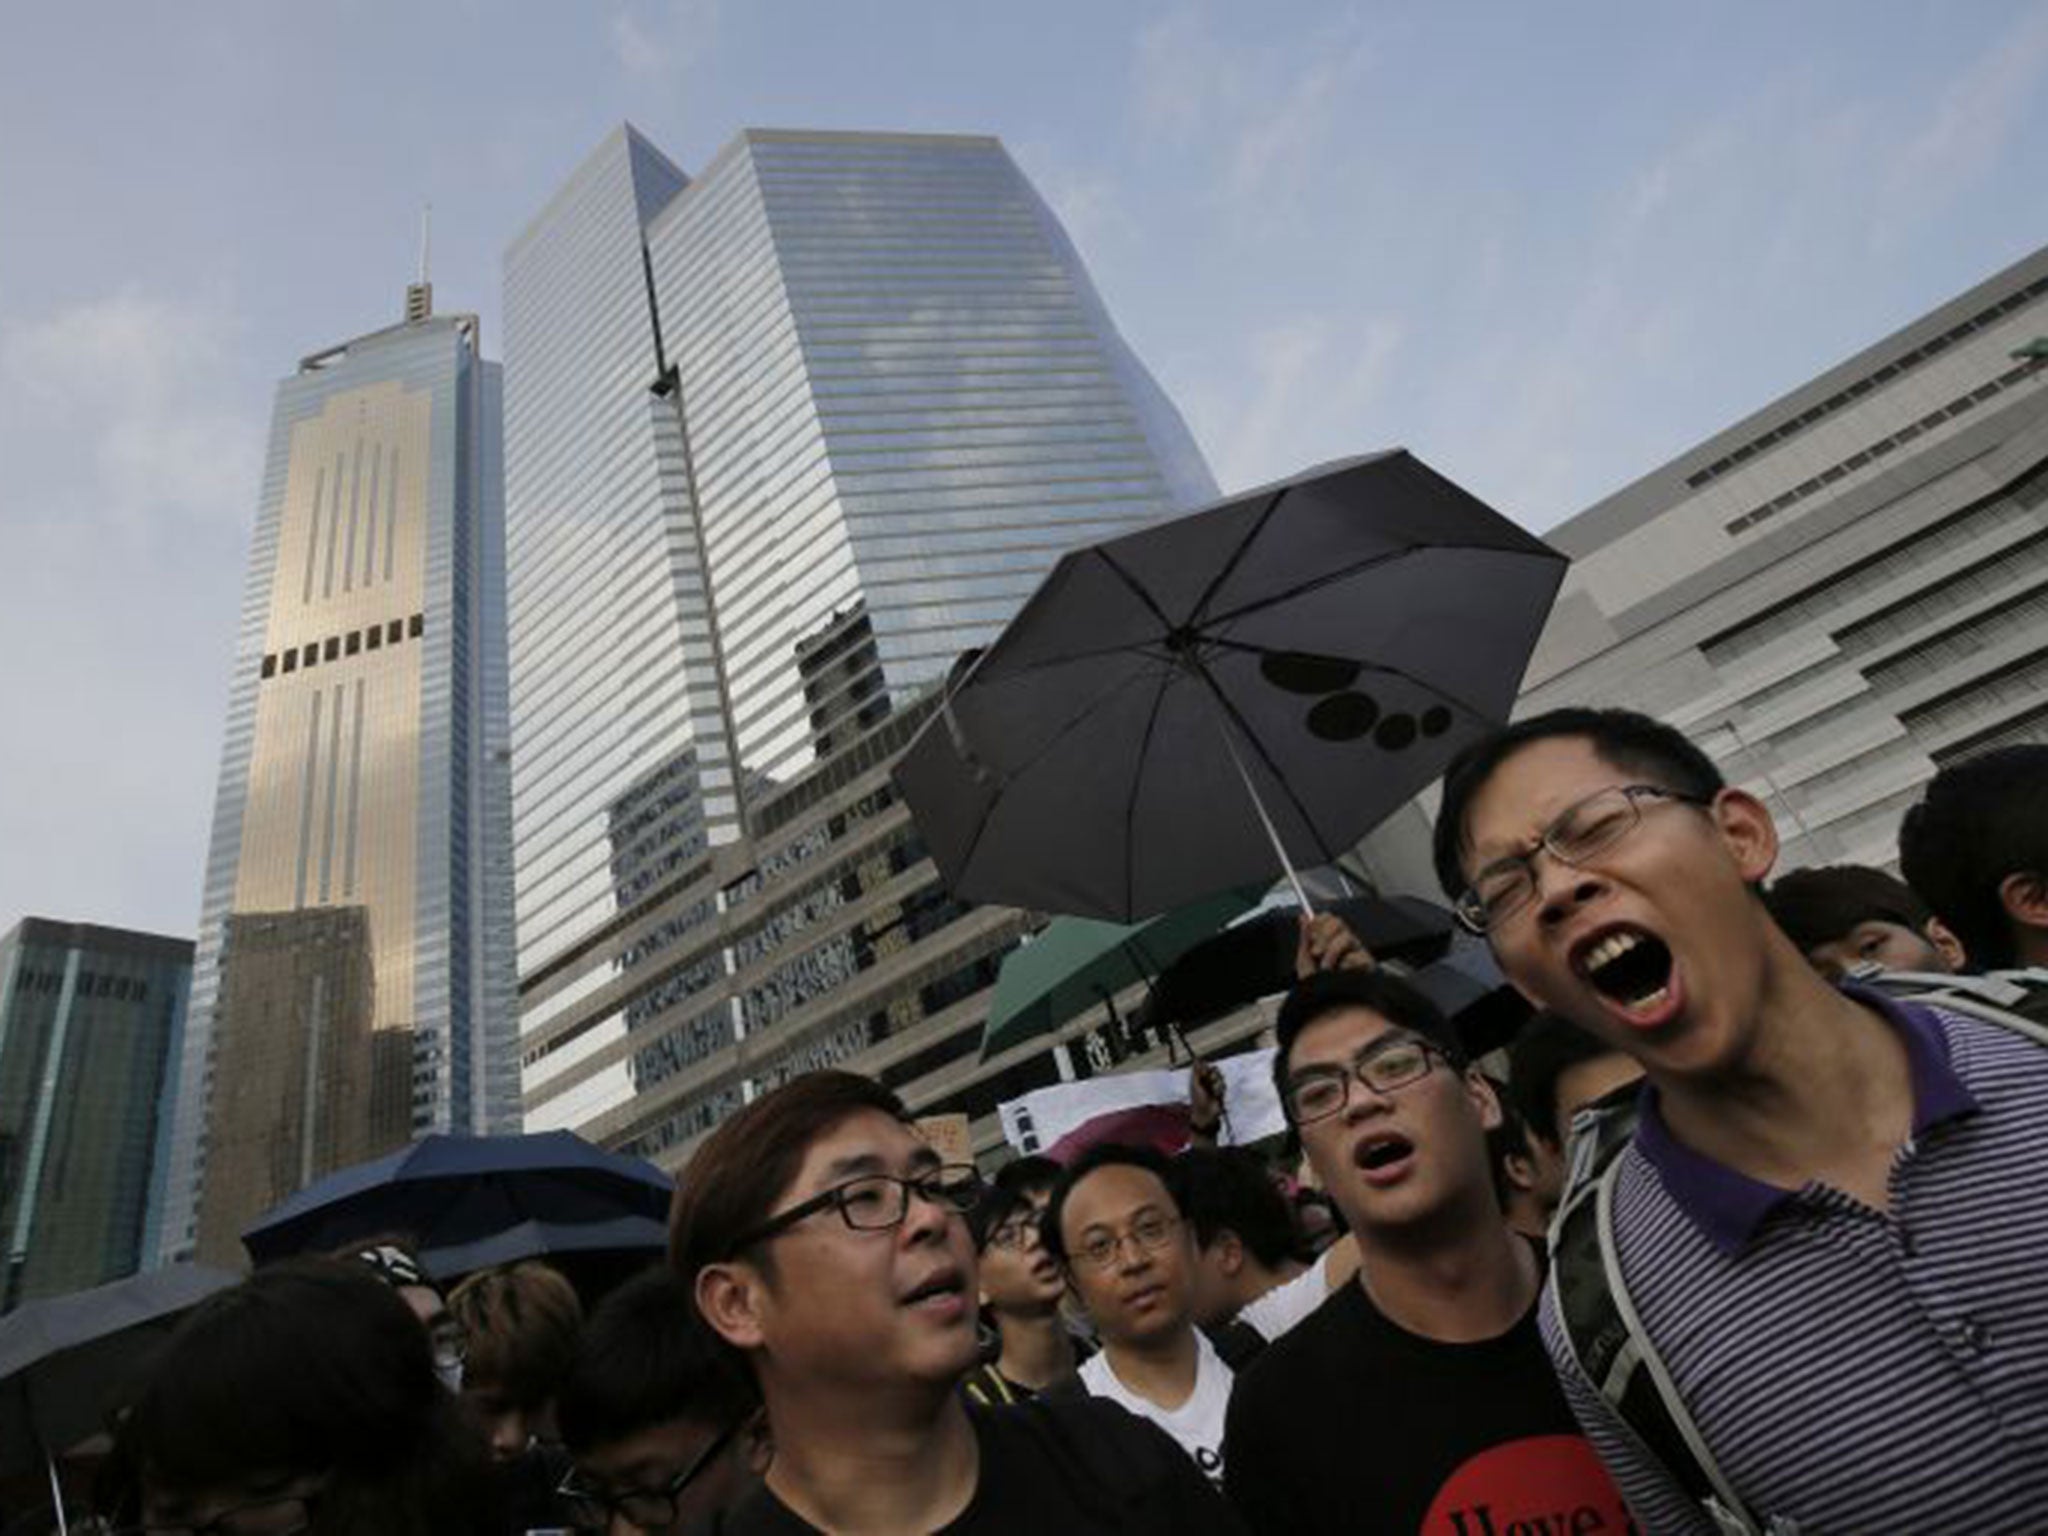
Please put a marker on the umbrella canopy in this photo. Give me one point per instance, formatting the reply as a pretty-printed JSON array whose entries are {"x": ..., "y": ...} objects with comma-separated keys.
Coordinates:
[
  {"x": 62, "y": 1360},
  {"x": 1255, "y": 958},
  {"x": 1327, "y": 644},
  {"x": 448, "y": 1190},
  {"x": 539, "y": 1239},
  {"x": 1078, "y": 961},
  {"x": 1469, "y": 987}
]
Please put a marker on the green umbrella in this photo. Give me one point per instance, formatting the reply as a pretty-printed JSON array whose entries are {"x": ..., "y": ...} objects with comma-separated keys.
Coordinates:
[{"x": 1077, "y": 962}]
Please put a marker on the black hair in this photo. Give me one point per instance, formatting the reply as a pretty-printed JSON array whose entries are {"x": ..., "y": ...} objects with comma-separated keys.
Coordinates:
[
  {"x": 1010, "y": 1190},
  {"x": 1547, "y": 1047},
  {"x": 646, "y": 1358},
  {"x": 1227, "y": 1189},
  {"x": 1981, "y": 820},
  {"x": 1327, "y": 992},
  {"x": 1107, "y": 1154},
  {"x": 1632, "y": 742},
  {"x": 1823, "y": 905},
  {"x": 309, "y": 1366}
]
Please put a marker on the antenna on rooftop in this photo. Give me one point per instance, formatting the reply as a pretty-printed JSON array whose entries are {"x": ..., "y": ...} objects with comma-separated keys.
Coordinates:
[{"x": 419, "y": 296}]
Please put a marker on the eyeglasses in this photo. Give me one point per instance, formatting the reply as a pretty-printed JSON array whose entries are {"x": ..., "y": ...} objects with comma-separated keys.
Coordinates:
[
  {"x": 1024, "y": 1230},
  {"x": 286, "y": 1515},
  {"x": 875, "y": 1202},
  {"x": 592, "y": 1506},
  {"x": 1599, "y": 821},
  {"x": 1316, "y": 1093},
  {"x": 1148, "y": 1234}
]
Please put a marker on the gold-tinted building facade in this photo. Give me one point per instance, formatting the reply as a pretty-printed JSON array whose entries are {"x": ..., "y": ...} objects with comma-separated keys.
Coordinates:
[{"x": 355, "y": 939}]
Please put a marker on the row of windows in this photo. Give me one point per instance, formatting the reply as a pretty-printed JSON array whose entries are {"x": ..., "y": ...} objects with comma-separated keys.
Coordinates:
[
  {"x": 1980, "y": 579},
  {"x": 122, "y": 989},
  {"x": 2024, "y": 614},
  {"x": 1863, "y": 386},
  {"x": 1878, "y": 449},
  {"x": 1979, "y": 519},
  {"x": 334, "y": 647}
]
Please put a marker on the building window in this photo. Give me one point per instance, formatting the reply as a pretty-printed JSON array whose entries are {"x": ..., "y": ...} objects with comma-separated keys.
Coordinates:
[
  {"x": 291, "y": 661},
  {"x": 270, "y": 665},
  {"x": 394, "y": 631},
  {"x": 374, "y": 636},
  {"x": 417, "y": 625},
  {"x": 333, "y": 647},
  {"x": 311, "y": 655},
  {"x": 354, "y": 642}
]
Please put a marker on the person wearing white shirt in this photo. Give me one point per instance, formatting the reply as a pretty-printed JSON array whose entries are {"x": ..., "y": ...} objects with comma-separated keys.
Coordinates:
[{"x": 1117, "y": 1230}]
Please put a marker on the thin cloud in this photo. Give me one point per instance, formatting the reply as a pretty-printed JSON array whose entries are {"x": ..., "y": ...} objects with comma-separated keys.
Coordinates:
[{"x": 651, "y": 42}]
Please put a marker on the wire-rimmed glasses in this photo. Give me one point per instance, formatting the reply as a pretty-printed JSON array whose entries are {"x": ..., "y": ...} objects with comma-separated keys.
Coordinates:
[{"x": 1584, "y": 828}]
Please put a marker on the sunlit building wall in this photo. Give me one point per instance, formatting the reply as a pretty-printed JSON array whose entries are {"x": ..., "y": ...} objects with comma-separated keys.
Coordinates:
[
  {"x": 363, "y": 808},
  {"x": 782, "y": 441},
  {"x": 1845, "y": 589}
]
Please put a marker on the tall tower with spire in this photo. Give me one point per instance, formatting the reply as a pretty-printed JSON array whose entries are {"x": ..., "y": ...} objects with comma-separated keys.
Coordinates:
[{"x": 353, "y": 983}]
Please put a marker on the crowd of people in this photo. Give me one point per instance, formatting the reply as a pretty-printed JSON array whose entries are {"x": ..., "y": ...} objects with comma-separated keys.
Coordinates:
[{"x": 1743, "y": 1235}]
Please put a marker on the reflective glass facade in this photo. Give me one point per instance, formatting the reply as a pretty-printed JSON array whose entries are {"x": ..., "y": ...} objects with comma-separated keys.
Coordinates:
[
  {"x": 782, "y": 441},
  {"x": 90, "y": 1021},
  {"x": 354, "y": 978},
  {"x": 1843, "y": 591}
]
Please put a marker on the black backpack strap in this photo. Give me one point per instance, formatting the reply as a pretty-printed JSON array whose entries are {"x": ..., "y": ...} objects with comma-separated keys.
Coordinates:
[{"x": 1606, "y": 1336}]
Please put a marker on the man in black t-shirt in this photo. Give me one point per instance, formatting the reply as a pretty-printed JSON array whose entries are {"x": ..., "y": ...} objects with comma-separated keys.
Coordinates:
[
  {"x": 1417, "y": 1400},
  {"x": 824, "y": 1243}
]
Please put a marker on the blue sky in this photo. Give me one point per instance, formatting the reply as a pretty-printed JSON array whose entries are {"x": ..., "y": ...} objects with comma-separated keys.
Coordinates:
[{"x": 1547, "y": 247}]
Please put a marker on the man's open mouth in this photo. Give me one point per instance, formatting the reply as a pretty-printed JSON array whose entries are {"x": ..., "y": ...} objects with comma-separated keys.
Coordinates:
[
  {"x": 1377, "y": 1153},
  {"x": 946, "y": 1283},
  {"x": 1629, "y": 966}
]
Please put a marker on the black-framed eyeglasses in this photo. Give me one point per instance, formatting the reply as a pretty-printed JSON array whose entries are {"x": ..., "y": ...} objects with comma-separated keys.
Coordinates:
[
  {"x": 1148, "y": 1234},
  {"x": 592, "y": 1506},
  {"x": 280, "y": 1515},
  {"x": 1318, "y": 1092},
  {"x": 875, "y": 1202},
  {"x": 1583, "y": 829}
]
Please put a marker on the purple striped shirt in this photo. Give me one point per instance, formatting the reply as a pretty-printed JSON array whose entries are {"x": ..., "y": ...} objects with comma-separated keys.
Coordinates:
[{"x": 1854, "y": 1372}]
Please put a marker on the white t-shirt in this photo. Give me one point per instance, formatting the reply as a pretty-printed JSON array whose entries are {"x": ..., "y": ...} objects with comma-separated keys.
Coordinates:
[
  {"x": 1289, "y": 1303},
  {"x": 1197, "y": 1423}
]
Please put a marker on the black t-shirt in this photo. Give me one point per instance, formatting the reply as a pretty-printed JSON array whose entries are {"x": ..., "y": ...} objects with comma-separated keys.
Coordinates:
[
  {"x": 1351, "y": 1424},
  {"x": 1055, "y": 1467}
]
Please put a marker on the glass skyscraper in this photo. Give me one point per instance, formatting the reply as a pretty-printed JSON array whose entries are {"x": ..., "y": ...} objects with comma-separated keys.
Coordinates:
[
  {"x": 782, "y": 441},
  {"x": 354, "y": 977},
  {"x": 90, "y": 1019}
]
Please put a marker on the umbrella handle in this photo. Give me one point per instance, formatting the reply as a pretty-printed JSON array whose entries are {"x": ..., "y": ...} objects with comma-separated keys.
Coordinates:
[
  {"x": 57, "y": 1495},
  {"x": 1272, "y": 832}
]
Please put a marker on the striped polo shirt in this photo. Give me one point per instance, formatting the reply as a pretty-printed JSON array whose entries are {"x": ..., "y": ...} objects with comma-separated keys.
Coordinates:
[{"x": 1854, "y": 1372}]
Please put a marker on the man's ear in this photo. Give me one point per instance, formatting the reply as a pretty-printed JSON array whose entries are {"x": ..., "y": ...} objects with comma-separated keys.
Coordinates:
[
  {"x": 1748, "y": 832},
  {"x": 1229, "y": 1251},
  {"x": 2025, "y": 898},
  {"x": 1484, "y": 1099},
  {"x": 1521, "y": 1171},
  {"x": 1945, "y": 943},
  {"x": 730, "y": 1297}
]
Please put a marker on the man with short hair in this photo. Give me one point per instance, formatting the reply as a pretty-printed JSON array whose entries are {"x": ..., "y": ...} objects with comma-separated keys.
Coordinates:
[
  {"x": 1021, "y": 1290},
  {"x": 825, "y": 1244},
  {"x": 1831, "y": 1206},
  {"x": 1976, "y": 848},
  {"x": 1253, "y": 1279},
  {"x": 1114, "y": 1225},
  {"x": 1849, "y": 917},
  {"x": 1417, "y": 1398},
  {"x": 1555, "y": 1069},
  {"x": 660, "y": 1424}
]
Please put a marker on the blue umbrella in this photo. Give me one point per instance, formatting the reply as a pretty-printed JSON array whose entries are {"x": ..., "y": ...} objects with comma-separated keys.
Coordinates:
[{"x": 445, "y": 1191}]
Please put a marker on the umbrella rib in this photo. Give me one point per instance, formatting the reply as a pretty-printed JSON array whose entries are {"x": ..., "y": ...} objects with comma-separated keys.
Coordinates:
[
  {"x": 1435, "y": 689},
  {"x": 1223, "y": 571},
  {"x": 1099, "y": 702},
  {"x": 1223, "y": 703},
  {"x": 1327, "y": 578},
  {"x": 1131, "y": 799}
]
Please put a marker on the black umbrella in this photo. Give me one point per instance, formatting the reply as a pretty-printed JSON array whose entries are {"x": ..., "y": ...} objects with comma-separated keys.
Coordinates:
[
  {"x": 446, "y": 1192},
  {"x": 64, "y": 1360},
  {"x": 1255, "y": 958},
  {"x": 1230, "y": 695}
]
